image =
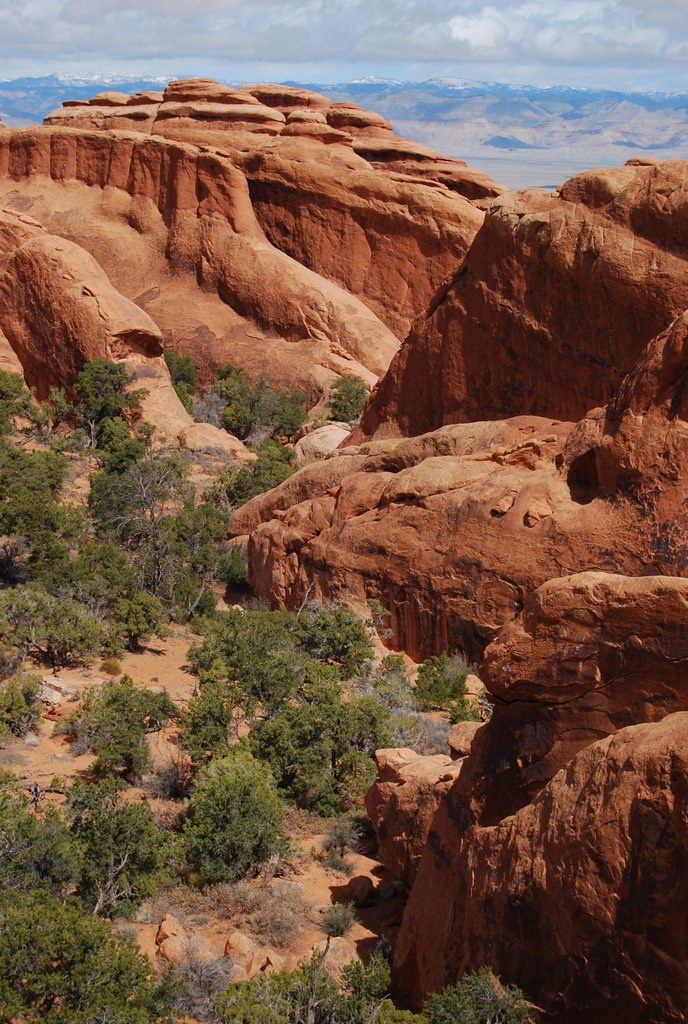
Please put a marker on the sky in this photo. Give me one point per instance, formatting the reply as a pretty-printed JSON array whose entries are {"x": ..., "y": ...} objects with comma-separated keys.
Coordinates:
[{"x": 610, "y": 44}]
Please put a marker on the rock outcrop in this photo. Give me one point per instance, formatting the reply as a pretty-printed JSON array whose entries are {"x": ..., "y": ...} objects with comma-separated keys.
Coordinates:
[
  {"x": 402, "y": 803},
  {"x": 553, "y": 305},
  {"x": 556, "y": 854},
  {"x": 58, "y": 310},
  {"x": 454, "y": 529},
  {"x": 173, "y": 227},
  {"x": 580, "y": 897},
  {"x": 330, "y": 183}
]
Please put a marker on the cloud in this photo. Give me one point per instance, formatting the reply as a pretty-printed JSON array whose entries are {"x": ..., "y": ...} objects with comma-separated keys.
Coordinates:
[{"x": 375, "y": 34}]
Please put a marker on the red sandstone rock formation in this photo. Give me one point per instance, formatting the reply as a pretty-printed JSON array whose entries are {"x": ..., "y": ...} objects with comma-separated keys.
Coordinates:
[
  {"x": 557, "y": 854},
  {"x": 58, "y": 310},
  {"x": 174, "y": 229},
  {"x": 554, "y": 303},
  {"x": 402, "y": 803},
  {"x": 330, "y": 183},
  {"x": 454, "y": 529},
  {"x": 580, "y": 897}
]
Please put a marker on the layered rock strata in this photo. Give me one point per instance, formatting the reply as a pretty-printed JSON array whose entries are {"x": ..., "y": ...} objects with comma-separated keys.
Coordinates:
[
  {"x": 331, "y": 184},
  {"x": 173, "y": 227}
]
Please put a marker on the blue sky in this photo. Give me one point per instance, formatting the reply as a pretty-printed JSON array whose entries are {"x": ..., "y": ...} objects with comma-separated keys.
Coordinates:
[{"x": 615, "y": 44}]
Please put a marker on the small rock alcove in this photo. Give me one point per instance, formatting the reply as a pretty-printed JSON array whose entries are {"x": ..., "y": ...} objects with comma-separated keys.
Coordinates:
[{"x": 582, "y": 478}]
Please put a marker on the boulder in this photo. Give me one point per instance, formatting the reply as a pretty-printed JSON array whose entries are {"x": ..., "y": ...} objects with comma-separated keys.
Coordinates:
[
  {"x": 171, "y": 940},
  {"x": 340, "y": 954},
  {"x": 244, "y": 953},
  {"x": 319, "y": 443},
  {"x": 359, "y": 890},
  {"x": 461, "y": 739}
]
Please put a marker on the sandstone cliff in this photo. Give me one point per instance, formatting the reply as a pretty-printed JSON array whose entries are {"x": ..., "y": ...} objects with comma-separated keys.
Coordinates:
[
  {"x": 580, "y": 897},
  {"x": 330, "y": 183},
  {"x": 453, "y": 530},
  {"x": 174, "y": 229},
  {"x": 554, "y": 303}
]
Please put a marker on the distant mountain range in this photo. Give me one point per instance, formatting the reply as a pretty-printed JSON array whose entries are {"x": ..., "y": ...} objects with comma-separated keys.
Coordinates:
[{"x": 520, "y": 134}]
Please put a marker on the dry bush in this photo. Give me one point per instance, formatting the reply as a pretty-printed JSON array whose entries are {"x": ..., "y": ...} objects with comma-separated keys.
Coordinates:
[
  {"x": 172, "y": 779},
  {"x": 434, "y": 739},
  {"x": 201, "y": 977},
  {"x": 275, "y": 914},
  {"x": 279, "y": 914},
  {"x": 338, "y": 919},
  {"x": 180, "y": 901},
  {"x": 300, "y": 823}
]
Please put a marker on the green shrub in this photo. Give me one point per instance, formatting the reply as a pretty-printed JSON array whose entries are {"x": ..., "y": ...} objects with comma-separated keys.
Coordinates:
[
  {"x": 124, "y": 857},
  {"x": 20, "y": 705},
  {"x": 334, "y": 634},
  {"x": 113, "y": 722},
  {"x": 103, "y": 394},
  {"x": 258, "y": 651},
  {"x": 310, "y": 994},
  {"x": 250, "y": 406},
  {"x": 14, "y": 399},
  {"x": 232, "y": 569},
  {"x": 347, "y": 398},
  {"x": 208, "y": 721},
  {"x": 37, "y": 852},
  {"x": 275, "y": 463},
  {"x": 235, "y": 818},
  {"x": 320, "y": 746},
  {"x": 111, "y": 666},
  {"x": 478, "y": 999},
  {"x": 59, "y": 631},
  {"x": 61, "y": 966},
  {"x": 439, "y": 684},
  {"x": 138, "y": 617},
  {"x": 182, "y": 369},
  {"x": 184, "y": 395}
]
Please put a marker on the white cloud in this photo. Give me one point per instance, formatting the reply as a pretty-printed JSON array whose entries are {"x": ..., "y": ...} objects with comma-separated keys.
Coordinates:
[{"x": 605, "y": 36}]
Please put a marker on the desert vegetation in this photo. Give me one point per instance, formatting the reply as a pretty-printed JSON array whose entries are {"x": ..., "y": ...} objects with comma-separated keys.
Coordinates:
[{"x": 282, "y": 717}]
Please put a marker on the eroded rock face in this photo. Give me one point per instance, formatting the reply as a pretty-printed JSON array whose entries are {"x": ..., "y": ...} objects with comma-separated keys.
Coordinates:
[
  {"x": 402, "y": 803},
  {"x": 332, "y": 186},
  {"x": 453, "y": 530},
  {"x": 590, "y": 654},
  {"x": 553, "y": 305},
  {"x": 175, "y": 231},
  {"x": 58, "y": 310},
  {"x": 580, "y": 897}
]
